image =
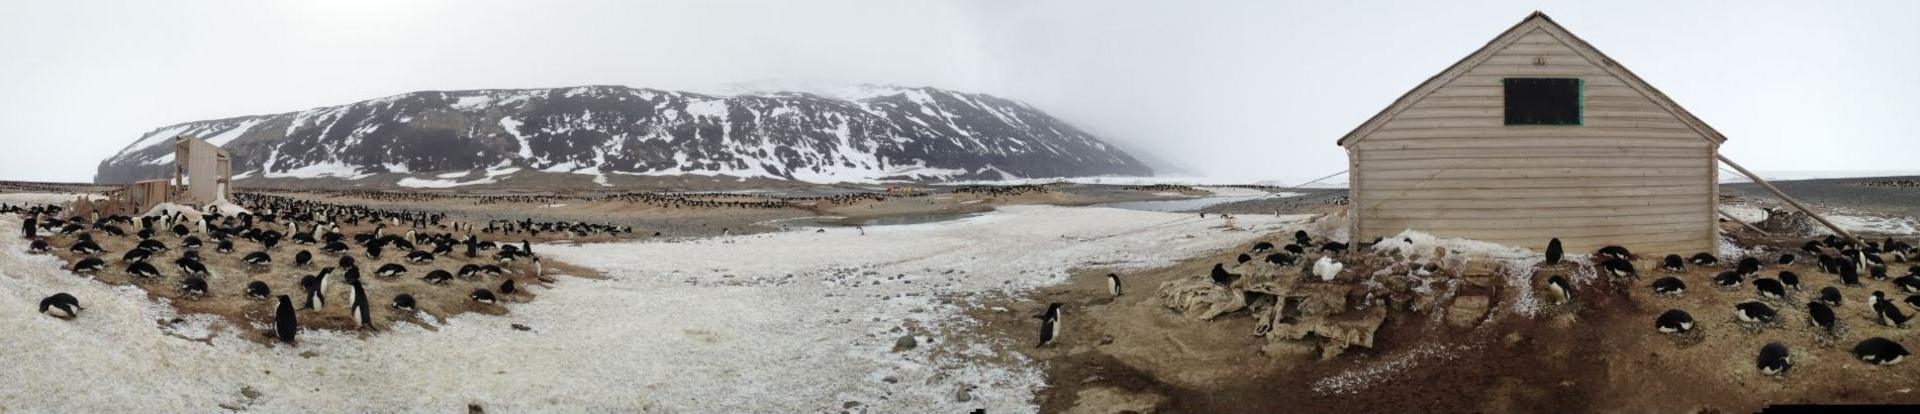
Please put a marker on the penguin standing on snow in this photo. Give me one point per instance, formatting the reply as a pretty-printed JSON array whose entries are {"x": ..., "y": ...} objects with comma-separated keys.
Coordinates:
[
  {"x": 1820, "y": 316},
  {"x": 1562, "y": 291},
  {"x": 285, "y": 324},
  {"x": 357, "y": 304},
  {"x": 1673, "y": 321},
  {"x": 1049, "y": 325},
  {"x": 1554, "y": 253},
  {"x": 1113, "y": 284},
  {"x": 1880, "y": 351},
  {"x": 61, "y": 305},
  {"x": 1774, "y": 359}
]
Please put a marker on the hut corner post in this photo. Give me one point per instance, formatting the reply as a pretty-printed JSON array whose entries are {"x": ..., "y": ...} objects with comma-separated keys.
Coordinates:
[{"x": 1784, "y": 197}]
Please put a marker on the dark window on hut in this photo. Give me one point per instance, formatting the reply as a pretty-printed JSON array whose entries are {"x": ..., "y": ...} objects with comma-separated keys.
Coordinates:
[{"x": 1543, "y": 101}]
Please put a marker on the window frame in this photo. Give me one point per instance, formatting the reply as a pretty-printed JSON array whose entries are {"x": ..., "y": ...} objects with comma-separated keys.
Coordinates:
[{"x": 1579, "y": 102}]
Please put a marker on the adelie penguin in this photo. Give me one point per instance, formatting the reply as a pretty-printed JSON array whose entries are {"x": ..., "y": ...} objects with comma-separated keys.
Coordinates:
[
  {"x": 303, "y": 258},
  {"x": 258, "y": 259},
  {"x": 1830, "y": 295},
  {"x": 143, "y": 270},
  {"x": 1786, "y": 259},
  {"x": 1221, "y": 277},
  {"x": 1562, "y": 291},
  {"x": 1729, "y": 279},
  {"x": 437, "y": 277},
  {"x": 1791, "y": 280},
  {"x": 403, "y": 302},
  {"x": 1281, "y": 259},
  {"x": 1113, "y": 284},
  {"x": 89, "y": 265},
  {"x": 1849, "y": 275},
  {"x": 1673, "y": 321},
  {"x": 1705, "y": 259},
  {"x": 390, "y": 270},
  {"x": 1821, "y": 316},
  {"x": 194, "y": 286},
  {"x": 1554, "y": 253},
  {"x": 258, "y": 290},
  {"x": 483, "y": 296},
  {"x": 1261, "y": 247},
  {"x": 1748, "y": 266},
  {"x": 135, "y": 255},
  {"x": 38, "y": 246},
  {"x": 1619, "y": 268},
  {"x": 61, "y": 305},
  {"x": 1774, "y": 359},
  {"x": 507, "y": 287},
  {"x": 1049, "y": 324},
  {"x": 1669, "y": 286},
  {"x": 1754, "y": 312},
  {"x": 1769, "y": 288},
  {"x": 1673, "y": 263},
  {"x": 1888, "y": 313},
  {"x": 285, "y": 323},
  {"x": 1880, "y": 351},
  {"x": 357, "y": 305},
  {"x": 1908, "y": 283},
  {"x": 315, "y": 286},
  {"x": 1615, "y": 252}
]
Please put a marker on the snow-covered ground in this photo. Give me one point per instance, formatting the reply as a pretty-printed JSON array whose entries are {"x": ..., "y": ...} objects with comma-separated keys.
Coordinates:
[{"x": 799, "y": 321}]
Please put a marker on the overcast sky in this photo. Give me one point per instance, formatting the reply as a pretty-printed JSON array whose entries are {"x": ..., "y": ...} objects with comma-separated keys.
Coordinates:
[{"x": 1236, "y": 89}]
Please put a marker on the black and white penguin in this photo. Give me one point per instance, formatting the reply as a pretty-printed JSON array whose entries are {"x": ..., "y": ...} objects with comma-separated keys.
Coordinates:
[
  {"x": 419, "y": 257},
  {"x": 1849, "y": 275},
  {"x": 1730, "y": 278},
  {"x": 1334, "y": 248},
  {"x": 1673, "y": 321},
  {"x": 1887, "y": 313},
  {"x": 1791, "y": 280},
  {"x": 38, "y": 246},
  {"x": 285, "y": 323},
  {"x": 224, "y": 246},
  {"x": 315, "y": 290},
  {"x": 1908, "y": 283},
  {"x": 1670, "y": 286},
  {"x": 1769, "y": 288},
  {"x": 469, "y": 271},
  {"x": 1300, "y": 237},
  {"x": 303, "y": 258},
  {"x": 61, "y": 305},
  {"x": 1705, "y": 259},
  {"x": 1821, "y": 316},
  {"x": 1830, "y": 295},
  {"x": 1877, "y": 273},
  {"x": 1786, "y": 259},
  {"x": 194, "y": 286},
  {"x": 1673, "y": 263},
  {"x": 437, "y": 277},
  {"x": 258, "y": 259},
  {"x": 1754, "y": 312},
  {"x": 143, "y": 270},
  {"x": 1880, "y": 351},
  {"x": 135, "y": 255},
  {"x": 492, "y": 270},
  {"x": 258, "y": 290},
  {"x": 1554, "y": 252},
  {"x": 1049, "y": 324},
  {"x": 390, "y": 270},
  {"x": 1748, "y": 266},
  {"x": 1774, "y": 359},
  {"x": 1243, "y": 258},
  {"x": 357, "y": 305},
  {"x": 85, "y": 247},
  {"x": 1615, "y": 252},
  {"x": 507, "y": 287},
  {"x": 1618, "y": 267},
  {"x": 1221, "y": 277},
  {"x": 482, "y": 296},
  {"x": 1261, "y": 247},
  {"x": 403, "y": 302},
  {"x": 1281, "y": 259},
  {"x": 1562, "y": 291},
  {"x": 89, "y": 265},
  {"x": 1113, "y": 284},
  {"x": 192, "y": 267}
]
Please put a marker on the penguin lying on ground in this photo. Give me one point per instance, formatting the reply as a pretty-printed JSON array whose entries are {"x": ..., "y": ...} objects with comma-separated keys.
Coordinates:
[
  {"x": 1670, "y": 286},
  {"x": 61, "y": 305},
  {"x": 1754, "y": 312},
  {"x": 1880, "y": 351},
  {"x": 1673, "y": 321},
  {"x": 1774, "y": 359}
]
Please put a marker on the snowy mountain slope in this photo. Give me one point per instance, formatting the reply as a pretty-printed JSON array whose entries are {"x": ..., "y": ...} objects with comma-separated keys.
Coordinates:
[{"x": 873, "y": 133}]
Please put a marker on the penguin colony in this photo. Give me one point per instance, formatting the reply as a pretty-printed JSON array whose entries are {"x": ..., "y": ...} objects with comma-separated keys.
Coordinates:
[{"x": 308, "y": 265}]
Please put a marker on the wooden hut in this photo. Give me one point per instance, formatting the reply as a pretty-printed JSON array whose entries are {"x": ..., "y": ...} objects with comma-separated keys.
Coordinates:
[{"x": 1537, "y": 135}]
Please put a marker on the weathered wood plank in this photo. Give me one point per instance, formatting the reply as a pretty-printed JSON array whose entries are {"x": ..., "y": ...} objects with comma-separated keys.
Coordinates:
[
  {"x": 1528, "y": 141},
  {"x": 1499, "y": 183},
  {"x": 1513, "y": 203},
  {"x": 1400, "y": 212},
  {"x": 1534, "y": 193},
  {"x": 1537, "y": 162},
  {"x": 1540, "y": 131},
  {"x": 1530, "y": 152},
  {"x": 1527, "y": 173}
]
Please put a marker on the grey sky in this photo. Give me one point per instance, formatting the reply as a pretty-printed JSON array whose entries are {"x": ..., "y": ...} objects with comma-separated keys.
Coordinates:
[{"x": 1239, "y": 89}]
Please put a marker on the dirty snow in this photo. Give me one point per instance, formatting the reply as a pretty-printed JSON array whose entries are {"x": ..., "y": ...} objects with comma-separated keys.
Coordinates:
[{"x": 785, "y": 322}]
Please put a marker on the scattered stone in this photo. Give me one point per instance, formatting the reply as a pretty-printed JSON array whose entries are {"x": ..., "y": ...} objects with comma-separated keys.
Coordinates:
[
  {"x": 475, "y": 409},
  {"x": 964, "y": 394},
  {"x": 905, "y": 343}
]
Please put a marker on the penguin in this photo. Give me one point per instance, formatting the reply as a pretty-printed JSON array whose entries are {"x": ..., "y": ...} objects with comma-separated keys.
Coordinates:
[
  {"x": 89, "y": 265},
  {"x": 1908, "y": 283},
  {"x": 1244, "y": 258},
  {"x": 1113, "y": 284},
  {"x": 420, "y": 257},
  {"x": 1748, "y": 266},
  {"x": 1849, "y": 275},
  {"x": 1774, "y": 359},
  {"x": 507, "y": 288},
  {"x": 1300, "y": 237},
  {"x": 390, "y": 270},
  {"x": 1294, "y": 249},
  {"x": 437, "y": 277},
  {"x": 1616, "y": 252},
  {"x": 1221, "y": 277},
  {"x": 1786, "y": 259},
  {"x": 1887, "y": 313},
  {"x": 135, "y": 255},
  {"x": 1791, "y": 280},
  {"x": 1730, "y": 278},
  {"x": 258, "y": 259},
  {"x": 194, "y": 286},
  {"x": 1260, "y": 247},
  {"x": 316, "y": 295},
  {"x": 469, "y": 271},
  {"x": 1769, "y": 288},
  {"x": 1831, "y": 296},
  {"x": 285, "y": 323},
  {"x": 192, "y": 267},
  {"x": 224, "y": 246},
  {"x": 1618, "y": 267},
  {"x": 1880, "y": 351},
  {"x": 1705, "y": 259},
  {"x": 143, "y": 270},
  {"x": 1281, "y": 259},
  {"x": 539, "y": 270},
  {"x": 1049, "y": 325},
  {"x": 403, "y": 302},
  {"x": 1877, "y": 273},
  {"x": 303, "y": 258},
  {"x": 482, "y": 296},
  {"x": 1562, "y": 291},
  {"x": 1914, "y": 301},
  {"x": 85, "y": 247},
  {"x": 1326, "y": 268},
  {"x": 1673, "y": 321},
  {"x": 61, "y": 305},
  {"x": 357, "y": 305},
  {"x": 1754, "y": 312},
  {"x": 1670, "y": 286},
  {"x": 38, "y": 246},
  {"x": 492, "y": 270},
  {"x": 1673, "y": 263},
  {"x": 152, "y": 246},
  {"x": 1820, "y": 316},
  {"x": 1554, "y": 253},
  {"x": 258, "y": 290}
]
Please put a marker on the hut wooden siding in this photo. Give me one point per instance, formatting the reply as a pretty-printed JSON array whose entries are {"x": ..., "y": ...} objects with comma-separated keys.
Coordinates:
[{"x": 1639, "y": 171}]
